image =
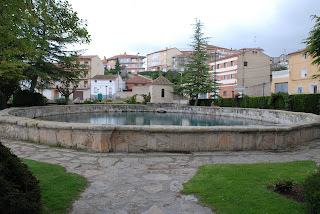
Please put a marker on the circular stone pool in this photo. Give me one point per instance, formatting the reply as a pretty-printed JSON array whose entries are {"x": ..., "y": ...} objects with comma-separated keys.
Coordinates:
[
  {"x": 289, "y": 129},
  {"x": 153, "y": 118}
]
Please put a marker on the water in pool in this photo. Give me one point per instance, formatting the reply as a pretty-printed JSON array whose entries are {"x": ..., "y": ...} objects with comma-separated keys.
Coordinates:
[{"x": 152, "y": 118}]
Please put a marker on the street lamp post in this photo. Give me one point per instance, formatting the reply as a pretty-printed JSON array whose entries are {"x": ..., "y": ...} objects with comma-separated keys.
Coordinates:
[{"x": 263, "y": 85}]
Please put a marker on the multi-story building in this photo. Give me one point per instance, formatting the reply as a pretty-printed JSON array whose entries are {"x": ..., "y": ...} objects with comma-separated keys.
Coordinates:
[
  {"x": 299, "y": 78},
  {"x": 247, "y": 72},
  {"x": 95, "y": 67},
  {"x": 132, "y": 63},
  {"x": 161, "y": 60}
]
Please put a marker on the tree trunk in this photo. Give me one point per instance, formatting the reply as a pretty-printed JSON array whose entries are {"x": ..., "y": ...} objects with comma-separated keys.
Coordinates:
[
  {"x": 33, "y": 83},
  {"x": 196, "y": 102}
]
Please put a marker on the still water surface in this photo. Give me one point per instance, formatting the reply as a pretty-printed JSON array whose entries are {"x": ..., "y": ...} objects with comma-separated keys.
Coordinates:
[{"x": 151, "y": 118}]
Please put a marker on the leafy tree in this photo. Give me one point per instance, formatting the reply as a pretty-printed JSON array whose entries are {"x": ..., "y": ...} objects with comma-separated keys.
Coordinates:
[
  {"x": 278, "y": 67},
  {"x": 313, "y": 41},
  {"x": 197, "y": 79},
  {"x": 70, "y": 73}
]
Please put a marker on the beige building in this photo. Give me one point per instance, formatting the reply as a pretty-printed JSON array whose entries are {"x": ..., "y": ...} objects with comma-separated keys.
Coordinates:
[
  {"x": 298, "y": 79},
  {"x": 161, "y": 90},
  {"x": 83, "y": 92},
  {"x": 247, "y": 71},
  {"x": 161, "y": 60}
]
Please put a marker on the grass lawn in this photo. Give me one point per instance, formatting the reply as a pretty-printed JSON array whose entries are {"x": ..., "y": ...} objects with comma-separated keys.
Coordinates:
[
  {"x": 242, "y": 188},
  {"x": 58, "y": 188}
]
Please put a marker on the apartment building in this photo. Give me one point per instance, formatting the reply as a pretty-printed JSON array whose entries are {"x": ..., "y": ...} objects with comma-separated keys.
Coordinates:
[
  {"x": 162, "y": 60},
  {"x": 83, "y": 91},
  {"x": 299, "y": 78},
  {"x": 132, "y": 63},
  {"x": 104, "y": 87},
  {"x": 245, "y": 72}
]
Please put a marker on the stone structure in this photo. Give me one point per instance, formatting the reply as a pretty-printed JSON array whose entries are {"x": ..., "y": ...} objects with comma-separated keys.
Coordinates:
[
  {"x": 295, "y": 128},
  {"x": 161, "y": 91}
]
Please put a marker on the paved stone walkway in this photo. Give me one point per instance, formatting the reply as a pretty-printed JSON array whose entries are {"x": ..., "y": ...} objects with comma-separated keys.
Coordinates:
[{"x": 144, "y": 183}]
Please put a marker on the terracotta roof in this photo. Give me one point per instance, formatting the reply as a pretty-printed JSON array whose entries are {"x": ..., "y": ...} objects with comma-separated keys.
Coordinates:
[
  {"x": 105, "y": 77},
  {"x": 125, "y": 56},
  {"x": 298, "y": 51},
  {"x": 161, "y": 81},
  {"x": 139, "y": 79}
]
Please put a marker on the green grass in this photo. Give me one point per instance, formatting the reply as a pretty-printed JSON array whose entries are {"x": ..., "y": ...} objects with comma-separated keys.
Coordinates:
[
  {"x": 242, "y": 188},
  {"x": 58, "y": 188}
]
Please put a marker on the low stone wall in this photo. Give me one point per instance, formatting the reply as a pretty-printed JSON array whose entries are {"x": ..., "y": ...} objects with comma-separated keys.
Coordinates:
[{"x": 290, "y": 129}]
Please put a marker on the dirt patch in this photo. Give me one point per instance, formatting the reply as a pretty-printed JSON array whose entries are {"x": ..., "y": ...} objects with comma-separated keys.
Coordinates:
[{"x": 295, "y": 194}]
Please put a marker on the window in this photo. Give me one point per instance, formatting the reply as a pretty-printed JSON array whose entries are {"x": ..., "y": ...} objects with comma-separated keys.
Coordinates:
[
  {"x": 85, "y": 84},
  {"x": 304, "y": 56},
  {"x": 232, "y": 94},
  {"x": 303, "y": 72},
  {"x": 225, "y": 64},
  {"x": 162, "y": 92},
  {"x": 224, "y": 93},
  {"x": 110, "y": 90},
  {"x": 86, "y": 63},
  {"x": 282, "y": 87},
  {"x": 218, "y": 66},
  {"x": 232, "y": 76},
  {"x": 110, "y": 80},
  {"x": 299, "y": 90},
  {"x": 218, "y": 77},
  {"x": 232, "y": 63},
  {"x": 245, "y": 63},
  {"x": 225, "y": 77},
  {"x": 96, "y": 89}
]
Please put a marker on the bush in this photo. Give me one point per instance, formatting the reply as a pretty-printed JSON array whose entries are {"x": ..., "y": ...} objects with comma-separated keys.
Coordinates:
[
  {"x": 283, "y": 185},
  {"x": 3, "y": 101},
  {"x": 133, "y": 100},
  {"x": 27, "y": 98},
  {"x": 19, "y": 189},
  {"x": 311, "y": 187},
  {"x": 305, "y": 103},
  {"x": 61, "y": 101},
  {"x": 87, "y": 102}
]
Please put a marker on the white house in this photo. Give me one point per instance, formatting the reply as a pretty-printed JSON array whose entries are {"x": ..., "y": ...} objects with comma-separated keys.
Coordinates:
[{"x": 104, "y": 87}]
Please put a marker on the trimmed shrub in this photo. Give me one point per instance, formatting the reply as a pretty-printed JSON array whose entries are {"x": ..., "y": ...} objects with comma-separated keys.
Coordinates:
[
  {"x": 311, "y": 187},
  {"x": 3, "y": 101},
  {"x": 61, "y": 101},
  {"x": 279, "y": 100},
  {"x": 305, "y": 103},
  {"x": 87, "y": 102},
  {"x": 201, "y": 102},
  {"x": 19, "y": 189},
  {"x": 27, "y": 98},
  {"x": 283, "y": 185}
]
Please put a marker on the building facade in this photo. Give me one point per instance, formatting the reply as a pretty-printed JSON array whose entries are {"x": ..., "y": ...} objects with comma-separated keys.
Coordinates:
[
  {"x": 299, "y": 78},
  {"x": 132, "y": 63},
  {"x": 242, "y": 73},
  {"x": 83, "y": 91},
  {"x": 105, "y": 87},
  {"x": 137, "y": 81},
  {"x": 161, "y": 60}
]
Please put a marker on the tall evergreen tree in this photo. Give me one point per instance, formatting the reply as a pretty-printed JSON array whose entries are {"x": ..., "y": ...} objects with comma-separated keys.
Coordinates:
[
  {"x": 117, "y": 67},
  {"x": 196, "y": 79}
]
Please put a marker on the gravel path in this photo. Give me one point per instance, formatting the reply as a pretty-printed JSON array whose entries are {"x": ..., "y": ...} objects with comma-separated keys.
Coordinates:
[{"x": 144, "y": 183}]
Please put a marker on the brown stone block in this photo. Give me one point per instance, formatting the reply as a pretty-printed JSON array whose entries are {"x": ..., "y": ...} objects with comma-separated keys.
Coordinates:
[
  {"x": 64, "y": 138},
  {"x": 33, "y": 134},
  {"x": 267, "y": 142},
  {"x": 224, "y": 142},
  {"x": 101, "y": 142},
  {"x": 248, "y": 141},
  {"x": 119, "y": 142},
  {"x": 81, "y": 140},
  {"x": 48, "y": 136}
]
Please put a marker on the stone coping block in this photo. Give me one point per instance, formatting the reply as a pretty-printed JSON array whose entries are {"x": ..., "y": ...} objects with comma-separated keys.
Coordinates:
[{"x": 289, "y": 129}]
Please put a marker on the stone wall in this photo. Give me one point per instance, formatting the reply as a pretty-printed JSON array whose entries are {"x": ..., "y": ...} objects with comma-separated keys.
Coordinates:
[
  {"x": 291, "y": 129},
  {"x": 156, "y": 96}
]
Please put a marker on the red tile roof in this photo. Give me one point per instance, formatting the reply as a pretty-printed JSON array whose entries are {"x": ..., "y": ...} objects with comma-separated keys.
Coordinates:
[
  {"x": 105, "y": 77},
  {"x": 139, "y": 79},
  {"x": 298, "y": 51},
  {"x": 161, "y": 81}
]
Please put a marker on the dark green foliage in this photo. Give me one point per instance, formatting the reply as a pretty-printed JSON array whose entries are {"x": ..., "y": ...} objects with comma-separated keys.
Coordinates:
[
  {"x": 133, "y": 100},
  {"x": 28, "y": 98},
  {"x": 311, "y": 187},
  {"x": 202, "y": 102},
  {"x": 146, "y": 98},
  {"x": 313, "y": 41},
  {"x": 279, "y": 100},
  {"x": 283, "y": 185},
  {"x": 61, "y": 101},
  {"x": 19, "y": 189},
  {"x": 87, "y": 102},
  {"x": 305, "y": 103},
  {"x": 3, "y": 101}
]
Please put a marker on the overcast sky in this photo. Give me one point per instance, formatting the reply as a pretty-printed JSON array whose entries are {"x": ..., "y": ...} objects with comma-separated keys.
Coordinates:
[{"x": 146, "y": 26}]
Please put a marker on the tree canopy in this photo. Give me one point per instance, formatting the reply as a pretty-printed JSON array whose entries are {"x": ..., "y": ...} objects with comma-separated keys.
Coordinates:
[
  {"x": 196, "y": 79},
  {"x": 35, "y": 33},
  {"x": 313, "y": 41}
]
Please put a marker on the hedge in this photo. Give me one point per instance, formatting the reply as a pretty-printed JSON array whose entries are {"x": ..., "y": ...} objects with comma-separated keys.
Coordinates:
[
  {"x": 3, "y": 101},
  {"x": 309, "y": 103},
  {"x": 28, "y": 98},
  {"x": 19, "y": 189}
]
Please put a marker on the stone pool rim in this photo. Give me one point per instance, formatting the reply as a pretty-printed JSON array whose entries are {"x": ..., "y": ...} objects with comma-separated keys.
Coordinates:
[{"x": 293, "y": 128}]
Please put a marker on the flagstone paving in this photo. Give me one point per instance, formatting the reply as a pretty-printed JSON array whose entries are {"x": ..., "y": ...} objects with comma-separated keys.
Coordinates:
[{"x": 148, "y": 183}]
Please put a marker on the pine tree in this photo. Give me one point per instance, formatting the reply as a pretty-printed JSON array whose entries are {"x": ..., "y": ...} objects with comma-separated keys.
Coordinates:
[
  {"x": 313, "y": 41},
  {"x": 196, "y": 79}
]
